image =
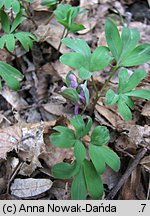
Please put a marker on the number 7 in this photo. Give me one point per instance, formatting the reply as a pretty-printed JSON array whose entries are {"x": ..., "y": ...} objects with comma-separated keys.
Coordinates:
[{"x": 143, "y": 207}]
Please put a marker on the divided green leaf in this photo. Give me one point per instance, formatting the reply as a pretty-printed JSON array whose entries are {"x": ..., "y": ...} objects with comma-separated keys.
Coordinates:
[
  {"x": 125, "y": 91},
  {"x": 125, "y": 49},
  {"x": 63, "y": 138},
  {"x": 93, "y": 180},
  {"x": 100, "y": 136},
  {"x": 83, "y": 60},
  {"x": 65, "y": 15},
  {"x": 78, "y": 187},
  {"x": 11, "y": 75},
  {"x": 79, "y": 151},
  {"x": 64, "y": 170},
  {"x": 97, "y": 159}
]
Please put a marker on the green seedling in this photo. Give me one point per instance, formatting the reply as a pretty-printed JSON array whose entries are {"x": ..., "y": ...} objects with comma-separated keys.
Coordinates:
[
  {"x": 126, "y": 52},
  {"x": 126, "y": 91},
  {"x": 8, "y": 40},
  {"x": 85, "y": 172},
  {"x": 65, "y": 15}
]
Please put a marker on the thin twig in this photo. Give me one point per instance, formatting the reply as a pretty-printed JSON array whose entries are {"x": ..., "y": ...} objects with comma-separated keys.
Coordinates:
[
  {"x": 18, "y": 167},
  {"x": 126, "y": 175}
]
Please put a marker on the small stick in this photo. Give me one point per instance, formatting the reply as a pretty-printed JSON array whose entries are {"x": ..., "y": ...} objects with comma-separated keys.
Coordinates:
[{"x": 127, "y": 173}]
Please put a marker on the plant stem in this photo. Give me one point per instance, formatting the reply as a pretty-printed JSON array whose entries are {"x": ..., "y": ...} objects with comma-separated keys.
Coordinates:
[
  {"x": 64, "y": 34},
  {"x": 107, "y": 81},
  {"x": 98, "y": 95}
]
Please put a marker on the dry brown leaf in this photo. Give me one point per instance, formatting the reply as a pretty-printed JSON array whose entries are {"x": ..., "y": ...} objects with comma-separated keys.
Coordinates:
[
  {"x": 30, "y": 187},
  {"x": 138, "y": 134},
  {"x": 133, "y": 189},
  {"x": 110, "y": 178},
  {"x": 32, "y": 145},
  {"x": 146, "y": 162},
  {"x": 60, "y": 190},
  {"x": 124, "y": 143},
  {"x": 9, "y": 139},
  {"x": 88, "y": 22},
  {"x": 48, "y": 69},
  {"x": 13, "y": 98},
  {"x": 146, "y": 109},
  {"x": 61, "y": 69},
  {"x": 111, "y": 117},
  {"x": 86, "y": 4},
  {"x": 52, "y": 34}
]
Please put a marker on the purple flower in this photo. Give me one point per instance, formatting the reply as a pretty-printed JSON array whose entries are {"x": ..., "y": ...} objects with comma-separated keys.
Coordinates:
[
  {"x": 81, "y": 95},
  {"x": 73, "y": 81},
  {"x": 76, "y": 109}
]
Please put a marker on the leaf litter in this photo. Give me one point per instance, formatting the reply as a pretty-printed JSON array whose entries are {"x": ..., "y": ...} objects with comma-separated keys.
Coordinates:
[{"x": 29, "y": 143}]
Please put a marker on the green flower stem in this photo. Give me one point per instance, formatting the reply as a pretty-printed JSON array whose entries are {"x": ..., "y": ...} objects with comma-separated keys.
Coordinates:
[
  {"x": 107, "y": 81},
  {"x": 64, "y": 35},
  {"x": 99, "y": 94}
]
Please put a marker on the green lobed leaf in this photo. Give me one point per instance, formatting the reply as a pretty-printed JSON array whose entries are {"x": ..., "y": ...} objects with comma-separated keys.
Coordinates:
[
  {"x": 134, "y": 80},
  {"x": 84, "y": 74},
  {"x": 2, "y": 3},
  {"x": 97, "y": 159},
  {"x": 93, "y": 180},
  {"x": 49, "y": 2},
  {"x": 113, "y": 38},
  {"x": 79, "y": 46},
  {"x": 16, "y": 6},
  {"x": 26, "y": 39},
  {"x": 111, "y": 158},
  {"x": 74, "y": 27},
  {"x": 64, "y": 170},
  {"x": 5, "y": 22},
  {"x": 124, "y": 110},
  {"x": 11, "y": 70},
  {"x": 63, "y": 138},
  {"x": 123, "y": 80},
  {"x": 10, "y": 42},
  {"x": 100, "y": 58},
  {"x": 74, "y": 60},
  {"x": 79, "y": 151},
  {"x": 2, "y": 41},
  {"x": 70, "y": 94},
  {"x": 127, "y": 100},
  {"x": 17, "y": 21},
  {"x": 145, "y": 94},
  {"x": 129, "y": 39},
  {"x": 61, "y": 11},
  {"x": 79, "y": 125},
  {"x": 88, "y": 126},
  {"x": 11, "y": 75},
  {"x": 140, "y": 55},
  {"x": 78, "y": 187},
  {"x": 12, "y": 82},
  {"x": 100, "y": 136},
  {"x": 8, "y": 3},
  {"x": 111, "y": 97}
]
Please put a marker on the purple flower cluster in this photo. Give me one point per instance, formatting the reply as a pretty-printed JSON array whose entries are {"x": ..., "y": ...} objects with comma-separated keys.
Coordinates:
[{"x": 74, "y": 85}]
